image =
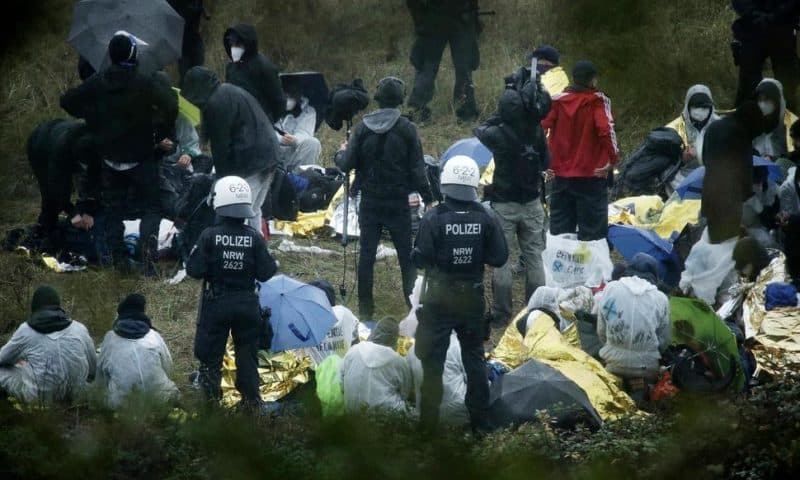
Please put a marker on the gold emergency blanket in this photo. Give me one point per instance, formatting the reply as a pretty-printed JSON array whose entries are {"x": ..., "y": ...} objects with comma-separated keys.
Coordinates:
[
  {"x": 778, "y": 331},
  {"x": 754, "y": 309},
  {"x": 279, "y": 374},
  {"x": 780, "y": 337},
  {"x": 543, "y": 342},
  {"x": 672, "y": 217},
  {"x": 310, "y": 224}
]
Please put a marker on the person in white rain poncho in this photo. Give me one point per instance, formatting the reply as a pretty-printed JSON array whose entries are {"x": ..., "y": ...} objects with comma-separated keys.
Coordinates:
[
  {"x": 50, "y": 358},
  {"x": 134, "y": 357},
  {"x": 341, "y": 336},
  {"x": 633, "y": 321},
  {"x": 374, "y": 375},
  {"x": 546, "y": 300},
  {"x": 454, "y": 380},
  {"x": 295, "y": 131}
]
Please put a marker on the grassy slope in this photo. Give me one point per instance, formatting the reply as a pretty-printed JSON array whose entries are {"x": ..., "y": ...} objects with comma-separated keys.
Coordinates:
[{"x": 648, "y": 52}]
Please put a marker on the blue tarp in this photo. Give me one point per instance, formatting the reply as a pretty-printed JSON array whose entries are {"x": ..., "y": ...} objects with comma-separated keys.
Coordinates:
[{"x": 629, "y": 240}]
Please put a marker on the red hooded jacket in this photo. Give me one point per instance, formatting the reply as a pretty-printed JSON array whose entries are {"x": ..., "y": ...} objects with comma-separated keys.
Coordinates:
[{"x": 581, "y": 133}]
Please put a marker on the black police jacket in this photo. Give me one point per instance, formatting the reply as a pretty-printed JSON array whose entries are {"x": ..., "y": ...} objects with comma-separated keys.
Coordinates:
[
  {"x": 231, "y": 256},
  {"x": 457, "y": 239}
]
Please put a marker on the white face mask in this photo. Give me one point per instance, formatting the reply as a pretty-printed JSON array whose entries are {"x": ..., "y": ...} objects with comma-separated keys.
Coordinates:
[
  {"x": 699, "y": 114},
  {"x": 290, "y": 104},
  {"x": 236, "y": 53},
  {"x": 767, "y": 108}
]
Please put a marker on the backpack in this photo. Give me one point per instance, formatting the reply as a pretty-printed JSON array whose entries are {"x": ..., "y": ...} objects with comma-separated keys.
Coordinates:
[
  {"x": 322, "y": 186},
  {"x": 281, "y": 203},
  {"x": 691, "y": 372},
  {"x": 654, "y": 163}
]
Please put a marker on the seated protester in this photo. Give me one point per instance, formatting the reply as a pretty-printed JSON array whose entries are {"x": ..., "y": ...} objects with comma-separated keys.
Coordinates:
[
  {"x": 50, "y": 358},
  {"x": 453, "y": 410},
  {"x": 134, "y": 357},
  {"x": 750, "y": 258},
  {"x": 789, "y": 222},
  {"x": 698, "y": 113},
  {"x": 187, "y": 147},
  {"x": 295, "y": 132},
  {"x": 774, "y": 143},
  {"x": 760, "y": 211},
  {"x": 343, "y": 334},
  {"x": 633, "y": 321},
  {"x": 374, "y": 375}
]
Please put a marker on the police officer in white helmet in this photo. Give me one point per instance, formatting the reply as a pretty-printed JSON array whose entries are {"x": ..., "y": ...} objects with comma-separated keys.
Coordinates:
[
  {"x": 229, "y": 257},
  {"x": 456, "y": 240}
]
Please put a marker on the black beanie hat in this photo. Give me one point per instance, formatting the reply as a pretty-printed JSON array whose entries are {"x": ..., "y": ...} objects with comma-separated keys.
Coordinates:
[
  {"x": 133, "y": 303},
  {"x": 122, "y": 49},
  {"x": 45, "y": 296},
  {"x": 583, "y": 72},
  {"x": 546, "y": 52},
  {"x": 390, "y": 93}
]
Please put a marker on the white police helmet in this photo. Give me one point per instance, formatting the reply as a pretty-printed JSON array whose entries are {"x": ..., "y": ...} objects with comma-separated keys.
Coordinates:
[
  {"x": 460, "y": 178},
  {"x": 232, "y": 198}
]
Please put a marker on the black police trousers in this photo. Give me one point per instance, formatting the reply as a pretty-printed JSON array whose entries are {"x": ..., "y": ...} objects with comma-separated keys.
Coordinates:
[
  {"x": 133, "y": 193},
  {"x": 426, "y": 55},
  {"x": 464, "y": 313},
  {"x": 579, "y": 204},
  {"x": 373, "y": 217},
  {"x": 238, "y": 314},
  {"x": 779, "y": 44}
]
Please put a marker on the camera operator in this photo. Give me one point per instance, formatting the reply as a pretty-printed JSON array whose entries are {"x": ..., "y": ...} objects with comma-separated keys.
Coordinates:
[
  {"x": 386, "y": 152},
  {"x": 518, "y": 143}
]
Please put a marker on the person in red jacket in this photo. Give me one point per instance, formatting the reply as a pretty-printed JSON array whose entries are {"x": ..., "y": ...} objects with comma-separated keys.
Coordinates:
[{"x": 583, "y": 147}]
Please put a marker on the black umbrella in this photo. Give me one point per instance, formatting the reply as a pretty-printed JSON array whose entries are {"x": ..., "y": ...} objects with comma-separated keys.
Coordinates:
[
  {"x": 157, "y": 26},
  {"x": 517, "y": 395},
  {"x": 311, "y": 85}
]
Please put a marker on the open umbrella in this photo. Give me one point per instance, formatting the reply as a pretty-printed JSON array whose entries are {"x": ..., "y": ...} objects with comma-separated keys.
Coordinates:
[
  {"x": 695, "y": 324},
  {"x": 154, "y": 23},
  {"x": 471, "y": 147},
  {"x": 516, "y": 396},
  {"x": 311, "y": 85},
  {"x": 301, "y": 313},
  {"x": 692, "y": 186}
]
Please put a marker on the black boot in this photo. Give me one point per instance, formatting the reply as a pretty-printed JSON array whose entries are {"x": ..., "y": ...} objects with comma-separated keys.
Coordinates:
[{"x": 466, "y": 107}]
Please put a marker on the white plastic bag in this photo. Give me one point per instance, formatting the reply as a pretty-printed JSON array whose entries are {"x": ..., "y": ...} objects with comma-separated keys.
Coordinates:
[
  {"x": 569, "y": 262},
  {"x": 337, "y": 223}
]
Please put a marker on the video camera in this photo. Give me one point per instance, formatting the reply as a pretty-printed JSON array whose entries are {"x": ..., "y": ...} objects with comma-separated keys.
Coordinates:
[{"x": 344, "y": 102}]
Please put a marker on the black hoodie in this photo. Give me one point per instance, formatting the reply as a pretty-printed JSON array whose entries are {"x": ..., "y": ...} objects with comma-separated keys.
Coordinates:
[
  {"x": 128, "y": 113},
  {"x": 516, "y": 139},
  {"x": 132, "y": 325},
  {"x": 254, "y": 72},
  {"x": 243, "y": 141},
  {"x": 49, "y": 320}
]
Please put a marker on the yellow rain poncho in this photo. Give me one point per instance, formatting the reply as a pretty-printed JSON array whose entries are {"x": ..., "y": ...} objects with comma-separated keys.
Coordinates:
[
  {"x": 546, "y": 344},
  {"x": 670, "y": 218}
]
